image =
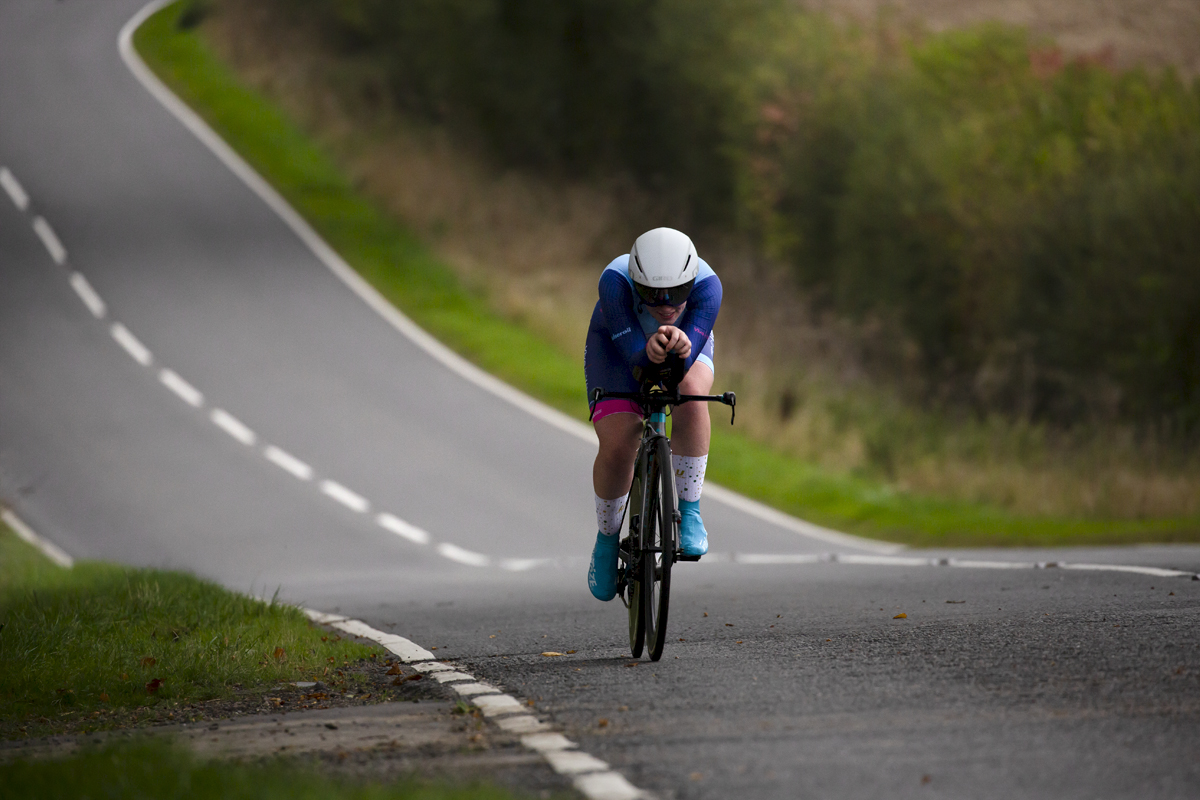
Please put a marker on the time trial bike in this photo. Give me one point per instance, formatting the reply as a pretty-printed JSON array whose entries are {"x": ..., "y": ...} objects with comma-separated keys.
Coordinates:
[{"x": 651, "y": 545}]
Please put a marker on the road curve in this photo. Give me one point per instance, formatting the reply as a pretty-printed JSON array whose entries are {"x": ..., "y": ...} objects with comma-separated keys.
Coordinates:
[{"x": 184, "y": 383}]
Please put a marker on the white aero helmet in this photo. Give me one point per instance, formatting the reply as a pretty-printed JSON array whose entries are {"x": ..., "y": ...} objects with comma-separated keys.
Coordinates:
[{"x": 663, "y": 266}]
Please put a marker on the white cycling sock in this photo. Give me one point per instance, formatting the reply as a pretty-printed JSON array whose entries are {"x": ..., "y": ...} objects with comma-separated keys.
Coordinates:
[
  {"x": 689, "y": 476},
  {"x": 609, "y": 514}
]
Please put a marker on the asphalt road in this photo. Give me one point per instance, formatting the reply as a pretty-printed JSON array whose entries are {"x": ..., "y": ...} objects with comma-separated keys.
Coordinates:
[{"x": 787, "y": 680}]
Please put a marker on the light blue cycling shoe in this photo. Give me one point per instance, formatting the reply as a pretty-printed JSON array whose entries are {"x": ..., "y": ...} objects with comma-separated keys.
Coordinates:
[
  {"x": 693, "y": 539},
  {"x": 602, "y": 574}
]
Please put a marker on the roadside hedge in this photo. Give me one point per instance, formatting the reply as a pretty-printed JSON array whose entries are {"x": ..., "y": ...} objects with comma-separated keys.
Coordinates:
[{"x": 1030, "y": 223}]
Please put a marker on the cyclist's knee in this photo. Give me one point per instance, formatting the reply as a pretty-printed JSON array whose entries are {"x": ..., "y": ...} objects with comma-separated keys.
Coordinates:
[
  {"x": 618, "y": 435},
  {"x": 698, "y": 380}
]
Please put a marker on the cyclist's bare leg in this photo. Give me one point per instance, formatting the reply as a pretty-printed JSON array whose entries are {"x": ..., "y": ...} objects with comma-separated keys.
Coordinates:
[
  {"x": 691, "y": 429},
  {"x": 619, "y": 435},
  {"x": 612, "y": 474}
]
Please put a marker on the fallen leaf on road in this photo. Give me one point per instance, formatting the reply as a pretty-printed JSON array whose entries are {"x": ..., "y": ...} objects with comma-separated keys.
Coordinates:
[
  {"x": 395, "y": 670},
  {"x": 153, "y": 685},
  {"x": 331, "y": 726},
  {"x": 551, "y": 654},
  {"x": 633, "y": 663},
  {"x": 706, "y": 613},
  {"x": 602, "y": 723},
  {"x": 955, "y": 602},
  {"x": 406, "y": 678},
  {"x": 901, "y": 615},
  {"x": 279, "y": 653},
  {"x": 103, "y": 697},
  {"x": 570, "y": 652},
  {"x": 728, "y": 624},
  {"x": 149, "y": 661}
]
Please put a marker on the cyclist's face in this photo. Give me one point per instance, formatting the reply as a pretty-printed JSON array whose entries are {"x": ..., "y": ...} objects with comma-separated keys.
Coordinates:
[{"x": 667, "y": 314}]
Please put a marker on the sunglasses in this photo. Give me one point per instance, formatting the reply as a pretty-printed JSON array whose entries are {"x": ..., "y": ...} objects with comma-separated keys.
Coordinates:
[{"x": 673, "y": 296}]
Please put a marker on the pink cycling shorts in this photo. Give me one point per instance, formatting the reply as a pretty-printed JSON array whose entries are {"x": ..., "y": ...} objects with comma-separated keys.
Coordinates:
[{"x": 615, "y": 405}]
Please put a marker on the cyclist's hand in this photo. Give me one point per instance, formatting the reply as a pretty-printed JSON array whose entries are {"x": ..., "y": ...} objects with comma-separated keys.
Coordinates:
[{"x": 665, "y": 340}]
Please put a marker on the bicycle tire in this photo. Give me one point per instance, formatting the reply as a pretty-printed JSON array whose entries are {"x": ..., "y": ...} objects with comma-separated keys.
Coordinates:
[
  {"x": 637, "y": 621},
  {"x": 658, "y": 536}
]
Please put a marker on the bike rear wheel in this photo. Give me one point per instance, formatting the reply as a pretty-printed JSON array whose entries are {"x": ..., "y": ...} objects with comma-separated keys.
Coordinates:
[{"x": 658, "y": 539}]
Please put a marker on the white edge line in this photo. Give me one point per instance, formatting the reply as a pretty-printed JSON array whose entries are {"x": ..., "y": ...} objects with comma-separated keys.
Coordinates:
[
  {"x": 50, "y": 239},
  {"x": 400, "y": 321},
  {"x": 399, "y": 527},
  {"x": 590, "y": 775},
  {"x": 13, "y": 187},
  {"x": 88, "y": 295},
  {"x": 463, "y": 556},
  {"x": 776, "y": 558},
  {"x": 186, "y": 392},
  {"x": 1156, "y": 572},
  {"x": 288, "y": 462},
  {"x": 233, "y": 426},
  {"x": 350, "y": 499},
  {"x": 608, "y": 786},
  {"x": 757, "y": 559},
  {"x": 49, "y": 549},
  {"x": 131, "y": 344}
]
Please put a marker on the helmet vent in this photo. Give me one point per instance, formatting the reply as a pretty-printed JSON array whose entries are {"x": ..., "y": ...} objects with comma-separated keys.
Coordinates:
[{"x": 685, "y": 264}]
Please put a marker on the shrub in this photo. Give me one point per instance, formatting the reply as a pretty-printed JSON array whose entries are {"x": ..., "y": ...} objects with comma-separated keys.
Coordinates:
[{"x": 1032, "y": 225}]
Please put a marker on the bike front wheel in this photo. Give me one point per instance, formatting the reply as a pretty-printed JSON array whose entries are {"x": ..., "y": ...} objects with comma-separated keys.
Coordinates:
[
  {"x": 658, "y": 546},
  {"x": 632, "y": 556}
]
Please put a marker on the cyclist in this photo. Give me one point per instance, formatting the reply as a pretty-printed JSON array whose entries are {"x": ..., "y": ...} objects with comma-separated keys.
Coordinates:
[{"x": 661, "y": 298}]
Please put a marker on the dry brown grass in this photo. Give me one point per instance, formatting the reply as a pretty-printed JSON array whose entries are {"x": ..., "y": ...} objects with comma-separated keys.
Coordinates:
[
  {"x": 1150, "y": 33},
  {"x": 535, "y": 247}
]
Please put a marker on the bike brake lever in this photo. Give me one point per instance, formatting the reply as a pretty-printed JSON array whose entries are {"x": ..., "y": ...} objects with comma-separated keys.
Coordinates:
[{"x": 730, "y": 399}]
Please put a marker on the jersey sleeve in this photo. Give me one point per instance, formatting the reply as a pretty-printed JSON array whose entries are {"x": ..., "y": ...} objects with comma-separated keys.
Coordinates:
[
  {"x": 701, "y": 315},
  {"x": 617, "y": 306}
]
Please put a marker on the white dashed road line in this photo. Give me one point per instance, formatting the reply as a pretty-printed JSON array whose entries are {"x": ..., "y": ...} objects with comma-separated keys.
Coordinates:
[
  {"x": 462, "y": 556},
  {"x": 399, "y": 527},
  {"x": 13, "y": 188},
  {"x": 88, "y": 295},
  {"x": 233, "y": 426},
  {"x": 288, "y": 462},
  {"x": 50, "y": 240},
  {"x": 523, "y": 564},
  {"x": 188, "y": 393},
  {"x": 351, "y": 500},
  {"x": 131, "y": 344}
]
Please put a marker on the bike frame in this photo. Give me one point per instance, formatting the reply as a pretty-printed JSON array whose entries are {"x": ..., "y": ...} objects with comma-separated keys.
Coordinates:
[{"x": 652, "y": 546}]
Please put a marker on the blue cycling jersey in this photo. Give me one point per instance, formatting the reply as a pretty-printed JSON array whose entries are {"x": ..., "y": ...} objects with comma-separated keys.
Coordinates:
[{"x": 629, "y": 325}]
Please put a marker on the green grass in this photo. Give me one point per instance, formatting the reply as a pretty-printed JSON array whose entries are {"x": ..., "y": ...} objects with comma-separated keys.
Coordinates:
[
  {"x": 408, "y": 275},
  {"x": 87, "y": 643},
  {"x": 155, "y": 768}
]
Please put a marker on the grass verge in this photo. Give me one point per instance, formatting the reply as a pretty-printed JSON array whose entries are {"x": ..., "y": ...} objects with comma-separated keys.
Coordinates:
[
  {"x": 101, "y": 646},
  {"x": 409, "y": 276},
  {"x": 155, "y": 768}
]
